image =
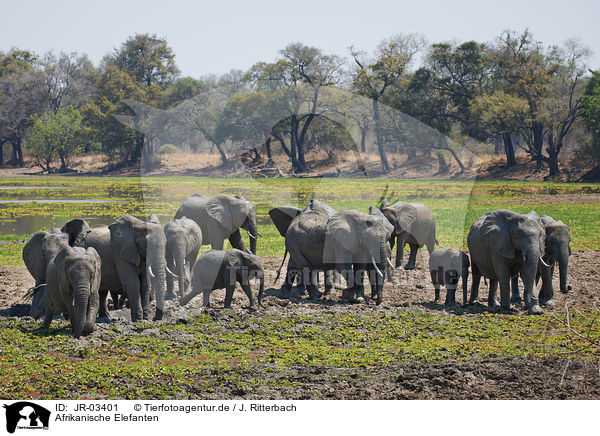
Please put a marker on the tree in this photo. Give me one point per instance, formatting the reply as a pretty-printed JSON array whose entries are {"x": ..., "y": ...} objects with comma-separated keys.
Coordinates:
[
  {"x": 59, "y": 134},
  {"x": 590, "y": 113},
  {"x": 374, "y": 77},
  {"x": 119, "y": 143},
  {"x": 561, "y": 107},
  {"x": 295, "y": 83},
  {"x": 68, "y": 79},
  {"x": 521, "y": 68},
  {"x": 146, "y": 58},
  {"x": 499, "y": 111},
  {"x": 21, "y": 96}
]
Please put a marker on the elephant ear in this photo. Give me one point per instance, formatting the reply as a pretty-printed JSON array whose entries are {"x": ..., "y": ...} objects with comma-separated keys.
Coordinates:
[
  {"x": 77, "y": 229},
  {"x": 342, "y": 232},
  {"x": 496, "y": 233},
  {"x": 229, "y": 212},
  {"x": 283, "y": 216},
  {"x": 123, "y": 238},
  {"x": 388, "y": 227},
  {"x": 97, "y": 268},
  {"x": 405, "y": 215}
]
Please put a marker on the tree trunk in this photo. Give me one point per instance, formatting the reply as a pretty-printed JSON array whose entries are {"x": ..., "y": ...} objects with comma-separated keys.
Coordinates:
[
  {"x": 268, "y": 148},
  {"x": 363, "y": 139},
  {"x": 553, "y": 161},
  {"x": 221, "y": 153},
  {"x": 1, "y": 154},
  {"x": 509, "y": 149},
  {"x": 385, "y": 166},
  {"x": 538, "y": 143}
]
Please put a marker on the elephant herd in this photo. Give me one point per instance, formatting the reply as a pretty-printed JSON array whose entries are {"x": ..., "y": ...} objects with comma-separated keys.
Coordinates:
[{"x": 76, "y": 266}]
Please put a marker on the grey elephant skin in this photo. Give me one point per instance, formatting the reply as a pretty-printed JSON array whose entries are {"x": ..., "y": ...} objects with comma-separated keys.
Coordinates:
[
  {"x": 503, "y": 244},
  {"x": 38, "y": 252},
  {"x": 73, "y": 278},
  {"x": 447, "y": 266},
  {"x": 285, "y": 217},
  {"x": 349, "y": 242},
  {"x": 220, "y": 217},
  {"x": 184, "y": 239},
  {"x": 558, "y": 250},
  {"x": 133, "y": 261},
  {"x": 218, "y": 269},
  {"x": 414, "y": 225}
]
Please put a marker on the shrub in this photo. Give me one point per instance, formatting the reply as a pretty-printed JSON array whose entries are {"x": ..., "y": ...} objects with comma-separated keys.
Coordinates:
[{"x": 168, "y": 149}]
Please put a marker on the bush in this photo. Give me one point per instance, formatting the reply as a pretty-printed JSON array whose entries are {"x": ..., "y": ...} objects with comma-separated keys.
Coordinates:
[{"x": 168, "y": 149}]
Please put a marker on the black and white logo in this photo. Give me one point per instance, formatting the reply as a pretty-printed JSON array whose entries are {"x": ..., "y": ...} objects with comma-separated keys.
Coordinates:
[{"x": 26, "y": 415}]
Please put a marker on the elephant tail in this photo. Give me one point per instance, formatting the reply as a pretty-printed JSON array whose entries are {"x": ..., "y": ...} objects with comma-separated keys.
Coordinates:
[{"x": 281, "y": 266}]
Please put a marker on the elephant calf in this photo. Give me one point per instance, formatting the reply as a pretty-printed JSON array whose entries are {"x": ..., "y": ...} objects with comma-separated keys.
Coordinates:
[
  {"x": 218, "y": 269},
  {"x": 447, "y": 266},
  {"x": 73, "y": 280}
]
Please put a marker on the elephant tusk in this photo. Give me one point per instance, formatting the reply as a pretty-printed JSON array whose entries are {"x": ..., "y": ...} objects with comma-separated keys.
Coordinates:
[
  {"x": 544, "y": 263},
  {"x": 251, "y": 235},
  {"x": 150, "y": 273},
  {"x": 390, "y": 263},
  {"x": 375, "y": 265},
  {"x": 259, "y": 234},
  {"x": 175, "y": 276}
]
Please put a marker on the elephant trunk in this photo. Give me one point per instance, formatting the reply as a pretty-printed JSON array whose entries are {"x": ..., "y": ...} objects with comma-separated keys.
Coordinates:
[
  {"x": 529, "y": 269},
  {"x": 563, "y": 266},
  {"x": 158, "y": 283},
  {"x": 252, "y": 228},
  {"x": 180, "y": 261},
  {"x": 80, "y": 309},
  {"x": 261, "y": 290}
]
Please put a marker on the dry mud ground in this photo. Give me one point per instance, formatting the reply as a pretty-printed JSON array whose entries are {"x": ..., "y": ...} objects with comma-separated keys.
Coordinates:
[{"x": 495, "y": 378}]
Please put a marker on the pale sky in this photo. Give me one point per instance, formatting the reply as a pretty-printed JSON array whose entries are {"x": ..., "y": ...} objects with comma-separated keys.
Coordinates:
[{"x": 217, "y": 36}]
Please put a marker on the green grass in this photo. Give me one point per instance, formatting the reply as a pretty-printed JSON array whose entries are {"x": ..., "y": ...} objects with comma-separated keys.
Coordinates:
[
  {"x": 207, "y": 352},
  {"x": 455, "y": 204},
  {"x": 204, "y": 353}
]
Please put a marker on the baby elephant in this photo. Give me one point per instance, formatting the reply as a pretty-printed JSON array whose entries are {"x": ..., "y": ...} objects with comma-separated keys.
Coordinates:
[
  {"x": 446, "y": 266},
  {"x": 218, "y": 269},
  {"x": 73, "y": 279}
]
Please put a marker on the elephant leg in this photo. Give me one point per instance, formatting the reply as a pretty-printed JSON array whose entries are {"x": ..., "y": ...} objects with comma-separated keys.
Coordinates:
[
  {"x": 48, "y": 318},
  {"x": 329, "y": 276},
  {"x": 103, "y": 309},
  {"x": 115, "y": 297},
  {"x": 248, "y": 290},
  {"x": 412, "y": 259},
  {"x": 493, "y": 288},
  {"x": 376, "y": 282},
  {"x": 205, "y": 297},
  {"x": 229, "y": 295},
  {"x": 400, "y": 249},
  {"x": 515, "y": 296},
  {"x": 505, "y": 293},
  {"x": 290, "y": 277},
  {"x": 311, "y": 284},
  {"x": 451, "y": 285},
  {"x": 359, "y": 279},
  {"x": 236, "y": 240},
  {"x": 547, "y": 292},
  {"x": 131, "y": 285},
  {"x": 436, "y": 285},
  {"x": 475, "y": 284}
]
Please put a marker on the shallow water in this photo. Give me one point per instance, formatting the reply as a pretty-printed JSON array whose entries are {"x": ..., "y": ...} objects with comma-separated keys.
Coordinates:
[
  {"x": 62, "y": 200},
  {"x": 7, "y": 188},
  {"x": 31, "y": 224}
]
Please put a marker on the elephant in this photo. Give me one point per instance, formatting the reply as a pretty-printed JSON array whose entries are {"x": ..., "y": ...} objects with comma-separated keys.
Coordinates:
[
  {"x": 184, "y": 239},
  {"x": 285, "y": 216},
  {"x": 73, "y": 281},
  {"x": 447, "y": 266},
  {"x": 220, "y": 217},
  {"x": 133, "y": 261},
  {"x": 413, "y": 224},
  {"x": 358, "y": 243},
  {"x": 218, "y": 269},
  {"x": 38, "y": 252},
  {"x": 503, "y": 244},
  {"x": 558, "y": 249}
]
